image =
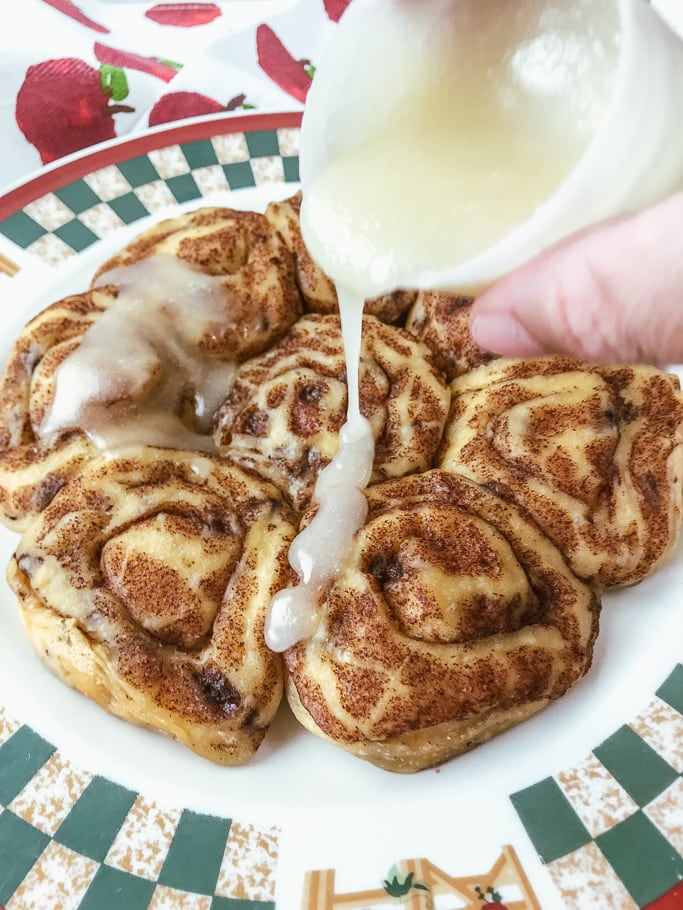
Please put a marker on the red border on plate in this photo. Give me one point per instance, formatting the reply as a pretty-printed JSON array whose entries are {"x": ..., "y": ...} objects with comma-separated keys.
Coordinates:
[
  {"x": 84, "y": 163},
  {"x": 672, "y": 900}
]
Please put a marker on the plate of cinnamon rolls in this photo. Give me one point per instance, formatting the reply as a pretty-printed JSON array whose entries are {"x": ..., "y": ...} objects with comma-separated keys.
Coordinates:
[{"x": 164, "y": 414}]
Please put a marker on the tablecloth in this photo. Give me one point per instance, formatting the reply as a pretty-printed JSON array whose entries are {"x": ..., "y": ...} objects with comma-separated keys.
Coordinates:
[{"x": 76, "y": 73}]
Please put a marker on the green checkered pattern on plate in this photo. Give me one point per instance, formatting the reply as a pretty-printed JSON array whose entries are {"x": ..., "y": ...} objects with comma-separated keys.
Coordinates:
[
  {"x": 71, "y": 218},
  {"x": 63, "y": 830},
  {"x": 617, "y": 817}
]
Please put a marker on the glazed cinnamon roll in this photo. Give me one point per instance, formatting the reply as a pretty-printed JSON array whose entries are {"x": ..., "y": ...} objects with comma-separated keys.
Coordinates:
[
  {"x": 453, "y": 619},
  {"x": 442, "y": 322},
  {"x": 147, "y": 356},
  {"x": 102, "y": 369},
  {"x": 317, "y": 290},
  {"x": 285, "y": 408},
  {"x": 593, "y": 453},
  {"x": 252, "y": 266},
  {"x": 33, "y": 467},
  {"x": 144, "y": 585}
]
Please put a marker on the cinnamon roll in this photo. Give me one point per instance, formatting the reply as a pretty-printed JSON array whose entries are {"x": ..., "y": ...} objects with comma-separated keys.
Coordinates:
[
  {"x": 33, "y": 467},
  {"x": 147, "y": 354},
  {"x": 317, "y": 290},
  {"x": 284, "y": 410},
  {"x": 593, "y": 453},
  {"x": 102, "y": 369},
  {"x": 453, "y": 619},
  {"x": 249, "y": 260},
  {"x": 144, "y": 584},
  {"x": 442, "y": 322}
]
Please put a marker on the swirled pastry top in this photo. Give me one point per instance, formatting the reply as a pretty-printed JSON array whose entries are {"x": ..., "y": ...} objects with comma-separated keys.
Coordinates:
[
  {"x": 442, "y": 322},
  {"x": 145, "y": 584},
  {"x": 148, "y": 356},
  {"x": 594, "y": 453},
  {"x": 99, "y": 370},
  {"x": 255, "y": 268},
  {"x": 284, "y": 409},
  {"x": 453, "y": 616}
]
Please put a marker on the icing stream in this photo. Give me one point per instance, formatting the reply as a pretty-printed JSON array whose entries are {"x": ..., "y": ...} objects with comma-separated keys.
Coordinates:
[{"x": 318, "y": 553}]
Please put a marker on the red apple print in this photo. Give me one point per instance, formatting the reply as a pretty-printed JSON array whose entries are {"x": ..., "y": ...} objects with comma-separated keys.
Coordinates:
[
  {"x": 153, "y": 66},
  {"x": 73, "y": 12},
  {"x": 179, "y": 105},
  {"x": 183, "y": 15},
  {"x": 335, "y": 8},
  {"x": 293, "y": 76},
  {"x": 65, "y": 105}
]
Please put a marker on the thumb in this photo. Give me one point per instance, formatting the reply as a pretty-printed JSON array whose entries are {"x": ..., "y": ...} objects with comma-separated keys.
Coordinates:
[{"x": 612, "y": 293}]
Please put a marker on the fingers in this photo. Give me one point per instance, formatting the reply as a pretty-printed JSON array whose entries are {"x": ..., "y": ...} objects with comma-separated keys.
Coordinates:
[{"x": 613, "y": 293}]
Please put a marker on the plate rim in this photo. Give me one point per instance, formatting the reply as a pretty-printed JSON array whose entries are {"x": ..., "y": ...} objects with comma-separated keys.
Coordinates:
[{"x": 72, "y": 167}]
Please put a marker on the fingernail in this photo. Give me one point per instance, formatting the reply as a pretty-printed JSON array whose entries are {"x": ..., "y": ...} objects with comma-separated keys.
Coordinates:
[{"x": 503, "y": 334}]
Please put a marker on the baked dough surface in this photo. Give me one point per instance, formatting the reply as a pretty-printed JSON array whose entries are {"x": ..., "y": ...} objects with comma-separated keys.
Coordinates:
[
  {"x": 506, "y": 496},
  {"x": 145, "y": 583}
]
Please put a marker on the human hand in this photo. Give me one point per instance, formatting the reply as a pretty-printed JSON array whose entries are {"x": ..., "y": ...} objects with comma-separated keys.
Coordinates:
[{"x": 611, "y": 293}]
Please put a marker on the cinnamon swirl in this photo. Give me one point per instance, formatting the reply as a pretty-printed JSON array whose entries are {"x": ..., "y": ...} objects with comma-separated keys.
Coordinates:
[
  {"x": 144, "y": 584},
  {"x": 442, "y": 322},
  {"x": 256, "y": 271},
  {"x": 453, "y": 619},
  {"x": 146, "y": 354},
  {"x": 593, "y": 453},
  {"x": 285, "y": 408}
]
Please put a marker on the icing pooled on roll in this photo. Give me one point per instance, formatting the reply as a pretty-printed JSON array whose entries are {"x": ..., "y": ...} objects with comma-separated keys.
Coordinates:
[{"x": 140, "y": 374}]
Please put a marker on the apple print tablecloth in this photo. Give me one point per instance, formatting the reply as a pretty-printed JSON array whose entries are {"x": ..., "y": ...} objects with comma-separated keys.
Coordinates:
[{"x": 75, "y": 73}]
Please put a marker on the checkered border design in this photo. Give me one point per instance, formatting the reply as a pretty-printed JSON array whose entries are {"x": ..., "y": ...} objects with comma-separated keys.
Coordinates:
[
  {"x": 70, "y": 219},
  {"x": 64, "y": 832},
  {"x": 610, "y": 829}
]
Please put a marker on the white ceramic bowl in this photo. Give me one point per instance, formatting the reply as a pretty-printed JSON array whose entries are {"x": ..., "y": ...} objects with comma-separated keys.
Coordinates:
[{"x": 635, "y": 156}]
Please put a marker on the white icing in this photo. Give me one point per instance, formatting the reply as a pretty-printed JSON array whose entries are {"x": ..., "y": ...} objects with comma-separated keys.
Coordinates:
[
  {"x": 140, "y": 362},
  {"x": 319, "y": 552}
]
